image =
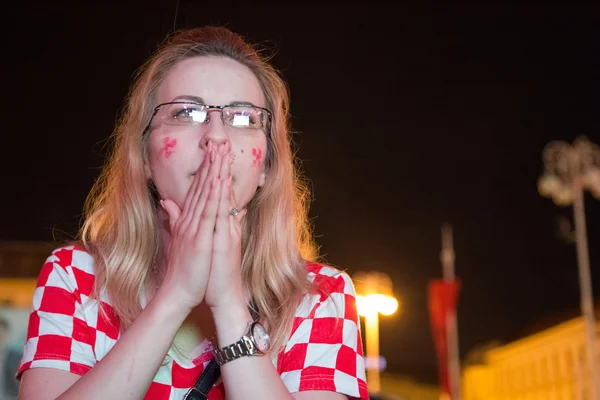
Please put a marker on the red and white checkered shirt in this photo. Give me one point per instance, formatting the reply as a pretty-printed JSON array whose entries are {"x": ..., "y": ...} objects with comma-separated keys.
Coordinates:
[{"x": 67, "y": 332}]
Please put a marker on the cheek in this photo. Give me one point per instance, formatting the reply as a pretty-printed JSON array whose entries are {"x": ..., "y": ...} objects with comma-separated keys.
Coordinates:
[
  {"x": 257, "y": 157},
  {"x": 251, "y": 154},
  {"x": 246, "y": 170},
  {"x": 167, "y": 147},
  {"x": 167, "y": 158},
  {"x": 161, "y": 149}
]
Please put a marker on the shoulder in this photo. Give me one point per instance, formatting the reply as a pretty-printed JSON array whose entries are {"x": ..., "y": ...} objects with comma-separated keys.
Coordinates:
[
  {"x": 69, "y": 267},
  {"x": 74, "y": 256},
  {"x": 327, "y": 280},
  {"x": 69, "y": 329},
  {"x": 331, "y": 294},
  {"x": 324, "y": 349}
]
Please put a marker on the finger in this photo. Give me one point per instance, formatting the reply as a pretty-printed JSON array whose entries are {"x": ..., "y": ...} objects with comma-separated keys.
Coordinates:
[
  {"x": 241, "y": 215},
  {"x": 198, "y": 186},
  {"x": 206, "y": 228},
  {"x": 213, "y": 173},
  {"x": 199, "y": 178},
  {"x": 223, "y": 223},
  {"x": 223, "y": 216},
  {"x": 172, "y": 211},
  {"x": 235, "y": 224},
  {"x": 216, "y": 161},
  {"x": 226, "y": 162},
  {"x": 230, "y": 191},
  {"x": 207, "y": 165},
  {"x": 233, "y": 204}
]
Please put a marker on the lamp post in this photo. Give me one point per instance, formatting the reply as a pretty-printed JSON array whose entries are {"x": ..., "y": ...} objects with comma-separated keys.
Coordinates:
[
  {"x": 373, "y": 297},
  {"x": 569, "y": 170},
  {"x": 447, "y": 258}
]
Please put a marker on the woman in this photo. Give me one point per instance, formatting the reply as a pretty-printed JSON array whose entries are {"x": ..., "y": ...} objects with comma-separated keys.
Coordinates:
[{"x": 197, "y": 222}]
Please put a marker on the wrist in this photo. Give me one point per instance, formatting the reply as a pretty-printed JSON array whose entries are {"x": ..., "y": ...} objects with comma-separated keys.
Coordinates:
[
  {"x": 168, "y": 303},
  {"x": 233, "y": 307},
  {"x": 231, "y": 322}
]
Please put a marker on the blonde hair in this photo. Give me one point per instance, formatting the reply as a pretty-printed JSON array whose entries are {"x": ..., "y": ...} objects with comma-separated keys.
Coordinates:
[{"x": 121, "y": 227}]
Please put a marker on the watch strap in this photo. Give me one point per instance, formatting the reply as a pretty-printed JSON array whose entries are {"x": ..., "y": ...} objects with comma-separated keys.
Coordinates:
[
  {"x": 211, "y": 373},
  {"x": 206, "y": 381},
  {"x": 241, "y": 348}
]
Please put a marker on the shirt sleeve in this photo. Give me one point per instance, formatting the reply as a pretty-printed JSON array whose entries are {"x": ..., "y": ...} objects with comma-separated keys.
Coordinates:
[
  {"x": 59, "y": 336},
  {"x": 324, "y": 351}
]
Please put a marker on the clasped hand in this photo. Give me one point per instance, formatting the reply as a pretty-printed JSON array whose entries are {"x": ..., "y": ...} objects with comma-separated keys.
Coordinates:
[{"x": 204, "y": 257}]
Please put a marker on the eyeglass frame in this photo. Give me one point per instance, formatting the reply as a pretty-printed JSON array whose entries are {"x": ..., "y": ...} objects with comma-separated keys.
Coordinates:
[{"x": 211, "y": 107}]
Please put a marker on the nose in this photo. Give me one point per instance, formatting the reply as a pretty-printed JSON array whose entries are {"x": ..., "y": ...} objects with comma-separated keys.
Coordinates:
[{"x": 214, "y": 130}]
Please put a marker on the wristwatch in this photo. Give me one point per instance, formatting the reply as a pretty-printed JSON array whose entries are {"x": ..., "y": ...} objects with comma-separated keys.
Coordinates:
[{"x": 254, "y": 342}]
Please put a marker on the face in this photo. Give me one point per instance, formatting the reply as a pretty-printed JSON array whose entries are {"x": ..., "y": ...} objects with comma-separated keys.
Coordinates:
[{"x": 176, "y": 152}]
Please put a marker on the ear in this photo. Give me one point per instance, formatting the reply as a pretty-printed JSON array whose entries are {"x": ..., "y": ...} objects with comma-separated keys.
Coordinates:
[{"x": 262, "y": 178}]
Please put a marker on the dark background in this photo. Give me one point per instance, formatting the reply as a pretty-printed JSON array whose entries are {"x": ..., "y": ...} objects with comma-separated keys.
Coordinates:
[{"x": 406, "y": 119}]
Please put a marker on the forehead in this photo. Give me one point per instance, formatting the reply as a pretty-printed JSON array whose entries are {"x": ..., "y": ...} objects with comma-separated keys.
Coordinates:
[{"x": 217, "y": 80}]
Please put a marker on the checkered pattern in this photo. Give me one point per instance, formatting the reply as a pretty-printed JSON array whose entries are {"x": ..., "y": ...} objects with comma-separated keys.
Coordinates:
[
  {"x": 324, "y": 351},
  {"x": 67, "y": 331}
]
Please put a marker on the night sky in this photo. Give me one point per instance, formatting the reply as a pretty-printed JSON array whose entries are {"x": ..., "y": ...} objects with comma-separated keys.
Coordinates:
[{"x": 404, "y": 120}]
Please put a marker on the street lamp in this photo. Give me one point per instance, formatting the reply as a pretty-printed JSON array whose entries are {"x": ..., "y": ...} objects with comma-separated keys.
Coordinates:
[
  {"x": 374, "y": 297},
  {"x": 569, "y": 170}
]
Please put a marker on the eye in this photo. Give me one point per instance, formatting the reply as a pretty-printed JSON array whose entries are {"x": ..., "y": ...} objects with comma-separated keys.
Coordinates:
[
  {"x": 188, "y": 114},
  {"x": 243, "y": 117}
]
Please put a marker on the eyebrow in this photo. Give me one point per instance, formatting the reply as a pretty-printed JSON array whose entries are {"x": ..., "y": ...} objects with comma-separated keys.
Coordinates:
[
  {"x": 198, "y": 99},
  {"x": 189, "y": 98}
]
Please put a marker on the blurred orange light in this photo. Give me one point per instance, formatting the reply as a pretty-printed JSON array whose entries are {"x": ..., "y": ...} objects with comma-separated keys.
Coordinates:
[{"x": 376, "y": 303}]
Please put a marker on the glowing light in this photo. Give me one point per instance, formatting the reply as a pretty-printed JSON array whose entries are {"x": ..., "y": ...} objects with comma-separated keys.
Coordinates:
[
  {"x": 376, "y": 303},
  {"x": 378, "y": 363},
  {"x": 241, "y": 120},
  {"x": 548, "y": 185}
]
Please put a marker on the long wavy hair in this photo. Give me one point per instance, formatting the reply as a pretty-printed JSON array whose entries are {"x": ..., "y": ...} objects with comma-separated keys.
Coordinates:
[{"x": 121, "y": 227}]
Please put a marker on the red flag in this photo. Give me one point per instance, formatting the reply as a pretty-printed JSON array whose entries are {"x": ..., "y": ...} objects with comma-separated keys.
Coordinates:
[{"x": 443, "y": 296}]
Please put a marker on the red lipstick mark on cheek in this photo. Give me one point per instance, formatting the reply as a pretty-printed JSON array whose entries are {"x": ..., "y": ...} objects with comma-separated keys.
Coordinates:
[
  {"x": 256, "y": 157},
  {"x": 168, "y": 147}
]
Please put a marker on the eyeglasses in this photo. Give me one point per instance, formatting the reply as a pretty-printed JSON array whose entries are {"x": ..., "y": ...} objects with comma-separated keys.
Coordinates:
[{"x": 188, "y": 114}]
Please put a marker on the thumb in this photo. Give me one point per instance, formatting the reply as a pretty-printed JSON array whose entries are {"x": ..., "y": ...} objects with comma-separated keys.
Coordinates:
[{"x": 172, "y": 210}]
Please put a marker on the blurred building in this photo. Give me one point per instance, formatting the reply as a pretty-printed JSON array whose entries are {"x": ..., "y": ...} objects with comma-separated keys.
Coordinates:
[
  {"x": 401, "y": 387},
  {"x": 20, "y": 264},
  {"x": 548, "y": 364}
]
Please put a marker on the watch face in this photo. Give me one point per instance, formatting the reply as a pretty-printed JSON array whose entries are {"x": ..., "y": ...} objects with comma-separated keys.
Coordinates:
[{"x": 261, "y": 337}]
